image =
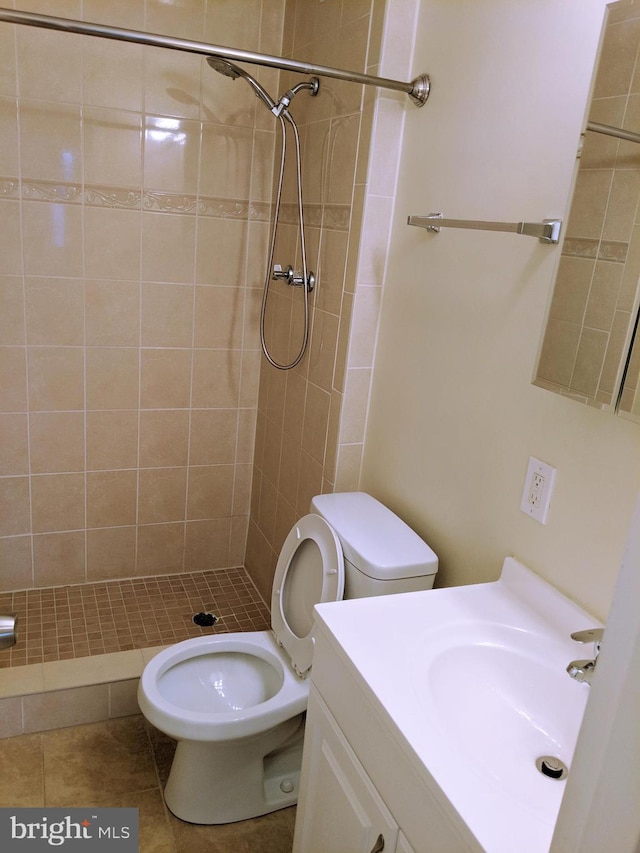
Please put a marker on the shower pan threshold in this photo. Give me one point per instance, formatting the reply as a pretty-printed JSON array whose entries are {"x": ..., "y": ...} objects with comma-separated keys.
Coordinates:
[{"x": 81, "y": 648}]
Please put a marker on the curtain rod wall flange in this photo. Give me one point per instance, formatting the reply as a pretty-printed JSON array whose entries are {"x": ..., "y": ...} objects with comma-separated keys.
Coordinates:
[{"x": 417, "y": 89}]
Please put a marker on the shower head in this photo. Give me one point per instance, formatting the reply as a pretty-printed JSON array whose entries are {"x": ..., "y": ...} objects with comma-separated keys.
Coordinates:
[{"x": 223, "y": 66}]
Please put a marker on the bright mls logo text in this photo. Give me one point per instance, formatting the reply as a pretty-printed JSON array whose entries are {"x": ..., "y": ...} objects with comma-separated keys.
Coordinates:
[{"x": 73, "y": 830}]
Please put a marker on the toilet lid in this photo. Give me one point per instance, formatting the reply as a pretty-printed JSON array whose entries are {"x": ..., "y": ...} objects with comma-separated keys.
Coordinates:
[{"x": 310, "y": 570}]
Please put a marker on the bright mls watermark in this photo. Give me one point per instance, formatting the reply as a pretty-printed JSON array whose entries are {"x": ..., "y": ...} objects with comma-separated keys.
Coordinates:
[{"x": 69, "y": 830}]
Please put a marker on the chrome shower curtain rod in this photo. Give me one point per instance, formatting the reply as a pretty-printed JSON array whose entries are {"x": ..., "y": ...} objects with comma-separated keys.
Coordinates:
[
  {"x": 618, "y": 132},
  {"x": 418, "y": 89}
]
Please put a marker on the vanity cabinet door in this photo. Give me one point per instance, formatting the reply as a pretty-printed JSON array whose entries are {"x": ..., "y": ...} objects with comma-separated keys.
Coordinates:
[{"x": 338, "y": 809}]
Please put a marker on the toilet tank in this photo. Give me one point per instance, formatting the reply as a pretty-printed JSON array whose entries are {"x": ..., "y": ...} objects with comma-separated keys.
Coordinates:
[{"x": 382, "y": 554}]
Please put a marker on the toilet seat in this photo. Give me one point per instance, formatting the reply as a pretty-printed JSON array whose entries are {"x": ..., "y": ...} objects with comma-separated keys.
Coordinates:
[{"x": 310, "y": 570}]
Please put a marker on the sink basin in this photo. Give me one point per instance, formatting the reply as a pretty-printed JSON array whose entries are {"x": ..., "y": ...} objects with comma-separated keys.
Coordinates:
[
  {"x": 473, "y": 681},
  {"x": 501, "y": 698}
]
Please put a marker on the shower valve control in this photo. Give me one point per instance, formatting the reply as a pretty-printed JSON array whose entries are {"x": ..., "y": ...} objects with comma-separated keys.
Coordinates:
[{"x": 292, "y": 277}]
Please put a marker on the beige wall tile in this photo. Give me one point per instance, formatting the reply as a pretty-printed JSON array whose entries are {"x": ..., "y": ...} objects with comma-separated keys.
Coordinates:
[
  {"x": 573, "y": 282},
  {"x": 56, "y": 378},
  {"x": 61, "y": 708},
  {"x": 111, "y": 498},
  {"x": 10, "y": 240},
  {"x": 219, "y": 316},
  {"x": 57, "y": 502},
  {"x": 112, "y": 440},
  {"x": 111, "y": 553},
  {"x": 160, "y": 548},
  {"x": 316, "y": 421},
  {"x": 123, "y": 699},
  {"x": 213, "y": 436},
  {"x": 113, "y": 72},
  {"x": 17, "y": 563},
  {"x": 12, "y": 324},
  {"x": 168, "y": 243},
  {"x": 589, "y": 204},
  {"x": 112, "y": 378},
  {"x": 162, "y": 495},
  {"x": 59, "y": 558},
  {"x": 112, "y": 141},
  {"x": 164, "y": 438},
  {"x": 617, "y": 60},
  {"x": 112, "y": 313},
  {"x": 61, "y": 57},
  {"x": 221, "y": 251},
  {"x": 51, "y": 141},
  {"x": 209, "y": 491},
  {"x": 52, "y": 239},
  {"x": 167, "y": 315},
  {"x": 14, "y": 506},
  {"x": 207, "y": 544},
  {"x": 7, "y": 62},
  {"x": 559, "y": 350},
  {"x": 104, "y": 229},
  {"x": 10, "y": 726},
  {"x": 186, "y": 20},
  {"x": 56, "y": 442},
  {"x": 171, "y": 154},
  {"x": 14, "y": 445},
  {"x": 603, "y": 297},
  {"x": 161, "y": 94},
  {"x": 54, "y": 311},
  {"x": 216, "y": 378},
  {"x": 13, "y": 379},
  {"x": 8, "y": 137},
  {"x": 165, "y": 379}
]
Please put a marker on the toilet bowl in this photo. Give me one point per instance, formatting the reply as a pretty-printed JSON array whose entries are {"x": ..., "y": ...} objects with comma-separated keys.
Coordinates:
[{"x": 235, "y": 702}]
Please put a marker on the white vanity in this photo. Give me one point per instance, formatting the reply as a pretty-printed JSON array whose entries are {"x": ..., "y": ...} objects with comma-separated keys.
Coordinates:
[{"x": 426, "y": 716}]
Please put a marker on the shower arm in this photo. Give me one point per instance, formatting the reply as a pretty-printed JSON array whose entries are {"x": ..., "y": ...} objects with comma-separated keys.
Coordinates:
[{"x": 418, "y": 89}]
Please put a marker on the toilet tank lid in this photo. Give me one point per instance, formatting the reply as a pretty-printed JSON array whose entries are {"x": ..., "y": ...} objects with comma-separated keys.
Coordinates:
[{"x": 373, "y": 538}]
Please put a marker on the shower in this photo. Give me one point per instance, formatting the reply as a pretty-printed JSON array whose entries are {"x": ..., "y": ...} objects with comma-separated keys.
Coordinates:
[{"x": 306, "y": 279}]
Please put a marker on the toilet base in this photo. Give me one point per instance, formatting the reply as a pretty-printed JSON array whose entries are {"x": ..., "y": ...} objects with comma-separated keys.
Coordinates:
[{"x": 212, "y": 783}]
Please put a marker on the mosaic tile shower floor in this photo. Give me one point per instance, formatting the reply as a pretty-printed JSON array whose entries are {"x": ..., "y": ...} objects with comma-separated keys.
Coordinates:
[{"x": 60, "y": 623}]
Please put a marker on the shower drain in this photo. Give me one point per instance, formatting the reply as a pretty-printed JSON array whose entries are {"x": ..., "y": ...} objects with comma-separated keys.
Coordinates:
[
  {"x": 204, "y": 620},
  {"x": 552, "y": 767}
]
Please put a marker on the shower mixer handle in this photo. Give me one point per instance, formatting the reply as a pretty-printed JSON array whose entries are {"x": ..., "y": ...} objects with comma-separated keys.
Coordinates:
[{"x": 293, "y": 278}]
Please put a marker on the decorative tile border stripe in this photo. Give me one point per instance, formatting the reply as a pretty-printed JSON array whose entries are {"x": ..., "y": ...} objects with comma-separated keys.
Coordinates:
[
  {"x": 9, "y": 188},
  {"x": 51, "y": 191},
  {"x": 112, "y": 197},
  {"x": 334, "y": 216},
  {"x": 590, "y": 249}
]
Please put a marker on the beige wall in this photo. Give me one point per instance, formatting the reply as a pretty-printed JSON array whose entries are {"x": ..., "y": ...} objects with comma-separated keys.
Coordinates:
[
  {"x": 454, "y": 416},
  {"x": 134, "y": 202}
]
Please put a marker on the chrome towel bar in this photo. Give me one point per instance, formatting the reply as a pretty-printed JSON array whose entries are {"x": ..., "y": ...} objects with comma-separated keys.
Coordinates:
[{"x": 547, "y": 231}]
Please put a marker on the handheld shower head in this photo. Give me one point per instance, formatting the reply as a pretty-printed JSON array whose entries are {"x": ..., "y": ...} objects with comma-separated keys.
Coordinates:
[{"x": 223, "y": 66}]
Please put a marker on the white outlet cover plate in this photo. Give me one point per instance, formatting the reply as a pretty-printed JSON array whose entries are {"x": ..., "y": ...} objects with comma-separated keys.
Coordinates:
[{"x": 536, "y": 501}]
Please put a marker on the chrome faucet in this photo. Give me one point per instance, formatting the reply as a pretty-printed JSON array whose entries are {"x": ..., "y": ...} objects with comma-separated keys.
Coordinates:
[{"x": 582, "y": 670}]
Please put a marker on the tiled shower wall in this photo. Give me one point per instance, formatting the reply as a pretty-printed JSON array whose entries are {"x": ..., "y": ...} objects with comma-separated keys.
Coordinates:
[
  {"x": 592, "y": 311},
  {"x": 312, "y": 419},
  {"x": 134, "y": 204}
]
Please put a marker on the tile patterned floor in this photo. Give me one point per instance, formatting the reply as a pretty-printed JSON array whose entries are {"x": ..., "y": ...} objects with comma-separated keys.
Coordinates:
[
  {"x": 98, "y": 618},
  {"x": 58, "y": 768}
]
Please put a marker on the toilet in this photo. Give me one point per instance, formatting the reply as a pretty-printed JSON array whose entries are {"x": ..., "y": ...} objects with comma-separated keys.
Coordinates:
[{"x": 236, "y": 702}]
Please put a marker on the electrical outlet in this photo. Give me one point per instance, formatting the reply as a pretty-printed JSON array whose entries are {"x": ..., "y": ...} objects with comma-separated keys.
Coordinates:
[{"x": 538, "y": 487}]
